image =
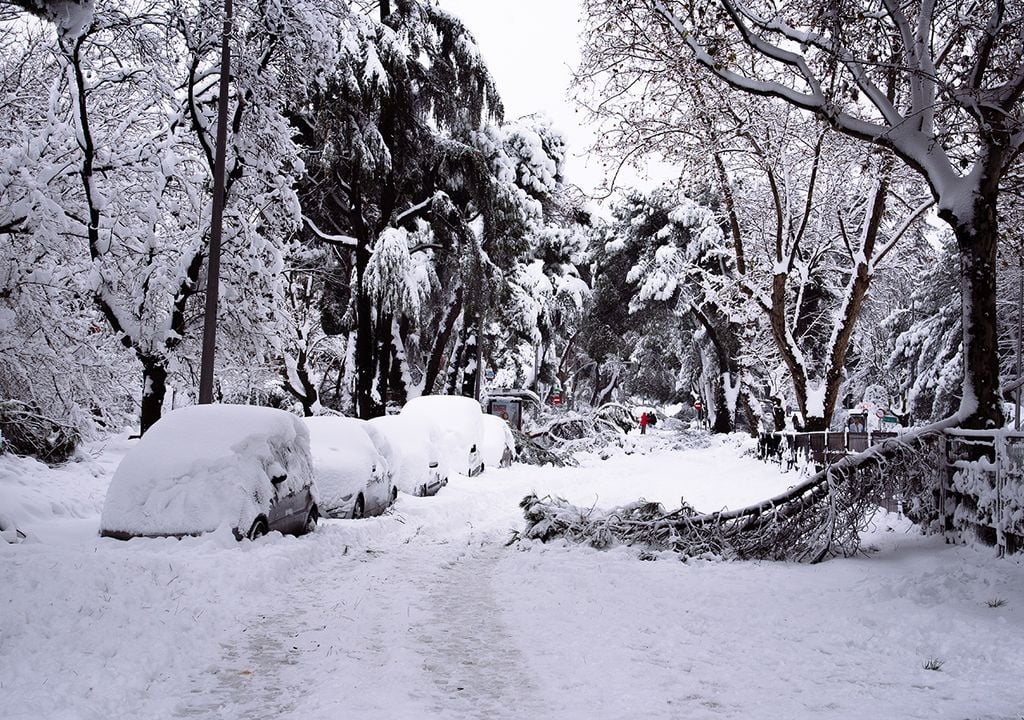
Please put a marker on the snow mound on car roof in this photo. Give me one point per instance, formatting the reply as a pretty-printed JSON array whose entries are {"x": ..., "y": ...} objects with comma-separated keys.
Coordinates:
[
  {"x": 458, "y": 421},
  {"x": 344, "y": 457},
  {"x": 203, "y": 466},
  {"x": 497, "y": 436},
  {"x": 411, "y": 449}
]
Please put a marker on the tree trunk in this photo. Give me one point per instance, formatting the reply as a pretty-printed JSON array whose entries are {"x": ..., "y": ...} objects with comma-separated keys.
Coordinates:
[
  {"x": 977, "y": 241},
  {"x": 470, "y": 366},
  {"x": 385, "y": 356},
  {"x": 444, "y": 335},
  {"x": 154, "y": 388},
  {"x": 306, "y": 393},
  {"x": 400, "y": 374}
]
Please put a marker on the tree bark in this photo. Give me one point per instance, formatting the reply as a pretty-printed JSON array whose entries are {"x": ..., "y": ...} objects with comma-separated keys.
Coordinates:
[
  {"x": 444, "y": 335},
  {"x": 977, "y": 241},
  {"x": 154, "y": 388}
]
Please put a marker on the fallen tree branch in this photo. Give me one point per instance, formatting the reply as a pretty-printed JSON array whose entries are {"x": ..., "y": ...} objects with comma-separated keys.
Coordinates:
[{"x": 821, "y": 517}]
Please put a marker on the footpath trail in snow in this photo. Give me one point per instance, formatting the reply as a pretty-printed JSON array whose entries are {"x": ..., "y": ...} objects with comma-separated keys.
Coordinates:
[{"x": 426, "y": 613}]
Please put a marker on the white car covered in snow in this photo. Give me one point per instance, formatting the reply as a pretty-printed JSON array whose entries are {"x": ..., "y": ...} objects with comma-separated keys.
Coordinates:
[
  {"x": 202, "y": 467},
  {"x": 499, "y": 445},
  {"x": 457, "y": 429},
  {"x": 415, "y": 460},
  {"x": 352, "y": 475}
]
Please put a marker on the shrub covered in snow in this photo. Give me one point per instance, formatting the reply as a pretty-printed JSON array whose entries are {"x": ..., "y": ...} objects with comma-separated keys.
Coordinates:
[
  {"x": 25, "y": 430},
  {"x": 206, "y": 466}
]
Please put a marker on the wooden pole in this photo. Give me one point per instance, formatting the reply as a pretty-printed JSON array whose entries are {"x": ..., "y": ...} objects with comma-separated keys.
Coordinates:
[{"x": 216, "y": 218}]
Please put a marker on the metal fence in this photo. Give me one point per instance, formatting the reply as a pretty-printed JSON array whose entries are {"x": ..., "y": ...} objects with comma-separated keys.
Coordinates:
[
  {"x": 976, "y": 486},
  {"x": 982, "y": 493},
  {"x": 793, "y": 449}
]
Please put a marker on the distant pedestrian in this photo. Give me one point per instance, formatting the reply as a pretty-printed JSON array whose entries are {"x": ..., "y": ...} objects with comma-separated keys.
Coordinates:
[{"x": 644, "y": 419}]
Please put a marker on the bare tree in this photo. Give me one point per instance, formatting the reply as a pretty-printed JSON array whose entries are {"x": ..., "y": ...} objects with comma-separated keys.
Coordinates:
[{"x": 937, "y": 84}]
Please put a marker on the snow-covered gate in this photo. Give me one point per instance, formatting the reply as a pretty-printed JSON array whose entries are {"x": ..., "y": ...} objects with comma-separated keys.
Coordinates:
[
  {"x": 981, "y": 495},
  {"x": 825, "y": 448}
]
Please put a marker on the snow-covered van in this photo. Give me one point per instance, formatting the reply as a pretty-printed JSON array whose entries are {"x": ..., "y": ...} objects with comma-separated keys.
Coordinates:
[
  {"x": 457, "y": 429},
  {"x": 352, "y": 475},
  {"x": 415, "y": 460}
]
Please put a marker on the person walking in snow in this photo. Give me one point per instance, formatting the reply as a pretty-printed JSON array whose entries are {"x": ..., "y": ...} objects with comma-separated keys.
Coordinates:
[{"x": 643, "y": 423}]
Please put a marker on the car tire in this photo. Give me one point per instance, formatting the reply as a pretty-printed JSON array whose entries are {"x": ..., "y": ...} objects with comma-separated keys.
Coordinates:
[
  {"x": 311, "y": 521},
  {"x": 259, "y": 528},
  {"x": 359, "y": 509}
]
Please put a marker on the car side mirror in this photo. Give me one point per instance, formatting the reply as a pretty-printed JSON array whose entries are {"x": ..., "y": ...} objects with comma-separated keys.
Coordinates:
[{"x": 277, "y": 472}]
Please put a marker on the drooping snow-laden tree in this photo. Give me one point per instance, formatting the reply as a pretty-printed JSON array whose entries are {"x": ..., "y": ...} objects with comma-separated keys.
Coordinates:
[
  {"x": 937, "y": 84},
  {"x": 427, "y": 199},
  {"x": 636, "y": 343},
  {"x": 126, "y": 160},
  {"x": 53, "y": 352},
  {"x": 392, "y": 161}
]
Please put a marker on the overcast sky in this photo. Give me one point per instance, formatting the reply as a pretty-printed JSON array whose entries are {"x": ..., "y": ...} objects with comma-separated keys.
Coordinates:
[{"x": 530, "y": 47}]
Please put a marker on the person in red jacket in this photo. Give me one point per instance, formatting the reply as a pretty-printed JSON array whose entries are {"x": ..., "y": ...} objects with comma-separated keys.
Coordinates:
[{"x": 643, "y": 423}]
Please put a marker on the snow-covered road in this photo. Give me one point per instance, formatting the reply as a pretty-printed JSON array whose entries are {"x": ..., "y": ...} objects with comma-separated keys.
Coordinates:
[{"x": 426, "y": 613}]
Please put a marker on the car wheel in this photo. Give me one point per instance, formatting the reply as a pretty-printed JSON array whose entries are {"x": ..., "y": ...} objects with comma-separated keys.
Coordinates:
[
  {"x": 359, "y": 509},
  {"x": 311, "y": 520},
  {"x": 259, "y": 528}
]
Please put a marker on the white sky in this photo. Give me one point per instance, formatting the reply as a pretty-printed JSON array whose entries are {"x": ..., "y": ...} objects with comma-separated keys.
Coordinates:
[{"x": 530, "y": 47}]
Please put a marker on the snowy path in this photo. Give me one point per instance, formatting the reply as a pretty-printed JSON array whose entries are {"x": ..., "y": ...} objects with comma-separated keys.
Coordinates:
[
  {"x": 413, "y": 631},
  {"x": 426, "y": 614}
]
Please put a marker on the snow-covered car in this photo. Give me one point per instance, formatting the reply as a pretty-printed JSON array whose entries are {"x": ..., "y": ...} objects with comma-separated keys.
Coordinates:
[
  {"x": 498, "y": 448},
  {"x": 415, "y": 460},
  {"x": 458, "y": 429},
  {"x": 352, "y": 475},
  {"x": 202, "y": 467}
]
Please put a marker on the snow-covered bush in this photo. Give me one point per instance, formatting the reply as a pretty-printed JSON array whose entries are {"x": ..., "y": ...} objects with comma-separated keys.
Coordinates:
[{"x": 24, "y": 430}]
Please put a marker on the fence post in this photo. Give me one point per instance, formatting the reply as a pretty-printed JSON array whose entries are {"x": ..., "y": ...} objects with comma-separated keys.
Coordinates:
[
  {"x": 945, "y": 481},
  {"x": 997, "y": 515}
]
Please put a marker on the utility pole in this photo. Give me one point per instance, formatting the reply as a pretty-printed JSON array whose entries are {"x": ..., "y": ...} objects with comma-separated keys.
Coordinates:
[
  {"x": 216, "y": 218},
  {"x": 1020, "y": 329}
]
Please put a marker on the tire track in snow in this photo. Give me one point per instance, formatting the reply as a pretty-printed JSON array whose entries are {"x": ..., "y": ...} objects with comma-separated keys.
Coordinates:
[{"x": 469, "y": 652}]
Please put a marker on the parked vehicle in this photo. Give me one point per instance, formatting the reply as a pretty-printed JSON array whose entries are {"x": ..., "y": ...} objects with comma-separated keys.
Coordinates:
[
  {"x": 458, "y": 429},
  {"x": 352, "y": 475},
  {"x": 499, "y": 445},
  {"x": 415, "y": 460},
  {"x": 205, "y": 466}
]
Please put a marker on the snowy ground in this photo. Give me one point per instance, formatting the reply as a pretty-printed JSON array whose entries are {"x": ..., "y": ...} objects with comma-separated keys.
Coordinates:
[{"x": 426, "y": 614}]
